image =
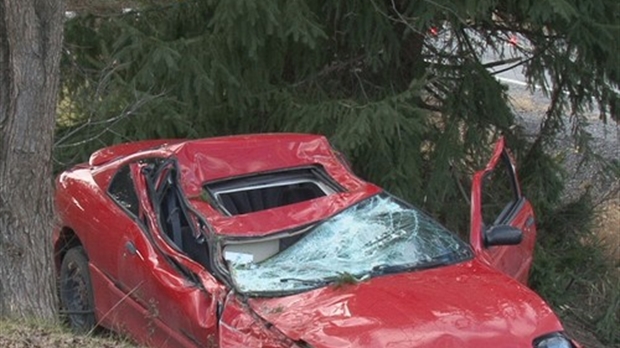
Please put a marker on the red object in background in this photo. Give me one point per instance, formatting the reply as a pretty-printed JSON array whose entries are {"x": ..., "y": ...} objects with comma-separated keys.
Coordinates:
[
  {"x": 150, "y": 218},
  {"x": 513, "y": 40}
]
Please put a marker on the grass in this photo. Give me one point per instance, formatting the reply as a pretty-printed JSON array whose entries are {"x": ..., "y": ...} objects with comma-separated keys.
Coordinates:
[
  {"x": 38, "y": 334},
  {"x": 575, "y": 272}
]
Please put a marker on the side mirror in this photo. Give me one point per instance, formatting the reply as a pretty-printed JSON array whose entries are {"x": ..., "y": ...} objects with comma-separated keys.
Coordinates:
[{"x": 502, "y": 235}]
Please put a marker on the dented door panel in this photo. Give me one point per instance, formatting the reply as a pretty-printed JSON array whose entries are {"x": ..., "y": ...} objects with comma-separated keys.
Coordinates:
[{"x": 171, "y": 288}]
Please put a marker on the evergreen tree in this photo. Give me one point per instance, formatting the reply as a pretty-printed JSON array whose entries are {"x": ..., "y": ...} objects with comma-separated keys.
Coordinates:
[{"x": 414, "y": 111}]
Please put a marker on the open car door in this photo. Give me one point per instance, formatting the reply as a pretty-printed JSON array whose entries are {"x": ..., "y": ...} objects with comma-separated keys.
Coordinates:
[{"x": 503, "y": 228}]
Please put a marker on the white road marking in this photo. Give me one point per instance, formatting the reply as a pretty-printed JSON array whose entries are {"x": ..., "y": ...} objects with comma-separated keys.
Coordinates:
[{"x": 513, "y": 81}]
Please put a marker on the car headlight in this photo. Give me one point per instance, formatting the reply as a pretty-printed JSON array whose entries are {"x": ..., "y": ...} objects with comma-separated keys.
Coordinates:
[{"x": 553, "y": 340}]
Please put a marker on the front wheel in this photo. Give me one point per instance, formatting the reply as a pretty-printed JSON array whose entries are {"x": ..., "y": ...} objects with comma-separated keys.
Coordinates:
[{"x": 76, "y": 291}]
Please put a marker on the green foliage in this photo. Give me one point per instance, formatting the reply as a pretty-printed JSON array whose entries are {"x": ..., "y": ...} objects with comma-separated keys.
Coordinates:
[
  {"x": 561, "y": 256},
  {"x": 608, "y": 321},
  {"x": 406, "y": 107},
  {"x": 415, "y": 113},
  {"x": 570, "y": 268}
]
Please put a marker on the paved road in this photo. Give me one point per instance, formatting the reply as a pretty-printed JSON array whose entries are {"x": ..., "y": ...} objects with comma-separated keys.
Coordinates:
[{"x": 605, "y": 137}]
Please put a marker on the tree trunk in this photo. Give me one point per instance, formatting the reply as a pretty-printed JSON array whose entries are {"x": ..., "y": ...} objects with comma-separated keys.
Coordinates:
[{"x": 30, "y": 47}]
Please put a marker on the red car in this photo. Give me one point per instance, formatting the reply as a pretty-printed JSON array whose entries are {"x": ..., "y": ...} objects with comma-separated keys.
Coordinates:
[{"x": 271, "y": 241}]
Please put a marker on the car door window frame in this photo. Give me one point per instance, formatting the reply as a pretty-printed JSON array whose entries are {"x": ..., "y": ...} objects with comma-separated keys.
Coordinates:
[
  {"x": 165, "y": 177},
  {"x": 513, "y": 205},
  {"x": 121, "y": 171}
]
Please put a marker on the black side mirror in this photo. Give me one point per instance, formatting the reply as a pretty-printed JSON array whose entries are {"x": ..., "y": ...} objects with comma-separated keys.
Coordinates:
[{"x": 502, "y": 235}]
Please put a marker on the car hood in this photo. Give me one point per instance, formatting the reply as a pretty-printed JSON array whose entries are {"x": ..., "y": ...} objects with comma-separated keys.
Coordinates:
[{"x": 464, "y": 305}]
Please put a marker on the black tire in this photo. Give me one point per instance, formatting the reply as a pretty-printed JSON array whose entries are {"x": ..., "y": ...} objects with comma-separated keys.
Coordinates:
[{"x": 76, "y": 291}]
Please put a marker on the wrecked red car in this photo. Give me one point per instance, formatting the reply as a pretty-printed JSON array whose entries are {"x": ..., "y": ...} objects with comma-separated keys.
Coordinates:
[{"x": 271, "y": 241}]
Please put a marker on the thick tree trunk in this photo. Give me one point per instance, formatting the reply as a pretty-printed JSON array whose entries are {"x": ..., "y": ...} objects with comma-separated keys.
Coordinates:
[{"x": 30, "y": 47}]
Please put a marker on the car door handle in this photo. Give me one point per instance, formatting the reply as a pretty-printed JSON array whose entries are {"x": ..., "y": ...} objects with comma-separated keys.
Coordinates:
[{"x": 132, "y": 250}]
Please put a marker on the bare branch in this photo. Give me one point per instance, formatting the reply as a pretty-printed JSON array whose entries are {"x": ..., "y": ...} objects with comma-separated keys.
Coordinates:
[{"x": 128, "y": 111}]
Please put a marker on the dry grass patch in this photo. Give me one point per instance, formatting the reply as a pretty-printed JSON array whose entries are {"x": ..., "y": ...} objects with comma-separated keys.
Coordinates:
[
  {"x": 33, "y": 334},
  {"x": 597, "y": 310},
  {"x": 607, "y": 229}
]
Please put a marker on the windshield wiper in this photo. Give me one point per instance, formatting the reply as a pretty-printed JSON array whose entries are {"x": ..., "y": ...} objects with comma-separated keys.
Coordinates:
[
  {"x": 388, "y": 269},
  {"x": 311, "y": 282},
  {"x": 377, "y": 270},
  {"x": 340, "y": 278}
]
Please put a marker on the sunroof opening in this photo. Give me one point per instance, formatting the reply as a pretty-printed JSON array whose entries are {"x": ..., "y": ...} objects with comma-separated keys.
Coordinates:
[{"x": 270, "y": 190}]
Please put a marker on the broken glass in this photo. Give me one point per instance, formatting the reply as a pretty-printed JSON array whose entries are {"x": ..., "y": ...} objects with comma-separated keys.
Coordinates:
[{"x": 376, "y": 236}]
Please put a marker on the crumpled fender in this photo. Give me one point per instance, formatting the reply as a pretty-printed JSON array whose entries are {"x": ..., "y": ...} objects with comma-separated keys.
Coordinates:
[{"x": 241, "y": 327}]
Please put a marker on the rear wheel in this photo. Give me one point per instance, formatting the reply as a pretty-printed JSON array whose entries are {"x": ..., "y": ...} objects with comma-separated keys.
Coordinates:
[{"x": 76, "y": 291}]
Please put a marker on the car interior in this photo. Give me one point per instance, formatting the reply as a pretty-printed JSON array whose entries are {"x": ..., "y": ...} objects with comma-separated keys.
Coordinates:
[
  {"x": 257, "y": 199},
  {"x": 175, "y": 221},
  {"x": 265, "y": 191},
  {"x": 240, "y": 196}
]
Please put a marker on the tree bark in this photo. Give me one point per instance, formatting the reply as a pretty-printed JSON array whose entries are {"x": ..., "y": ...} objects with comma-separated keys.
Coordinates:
[{"x": 30, "y": 47}]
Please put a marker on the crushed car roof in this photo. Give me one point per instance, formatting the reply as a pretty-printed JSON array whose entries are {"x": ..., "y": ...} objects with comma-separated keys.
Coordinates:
[
  {"x": 211, "y": 159},
  {"x": 230, "y": 156},
  {"x": 225, "y": 157}
]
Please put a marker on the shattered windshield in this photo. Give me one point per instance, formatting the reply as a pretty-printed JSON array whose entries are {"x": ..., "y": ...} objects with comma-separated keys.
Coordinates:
[{"x": 377, "y": 236}]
